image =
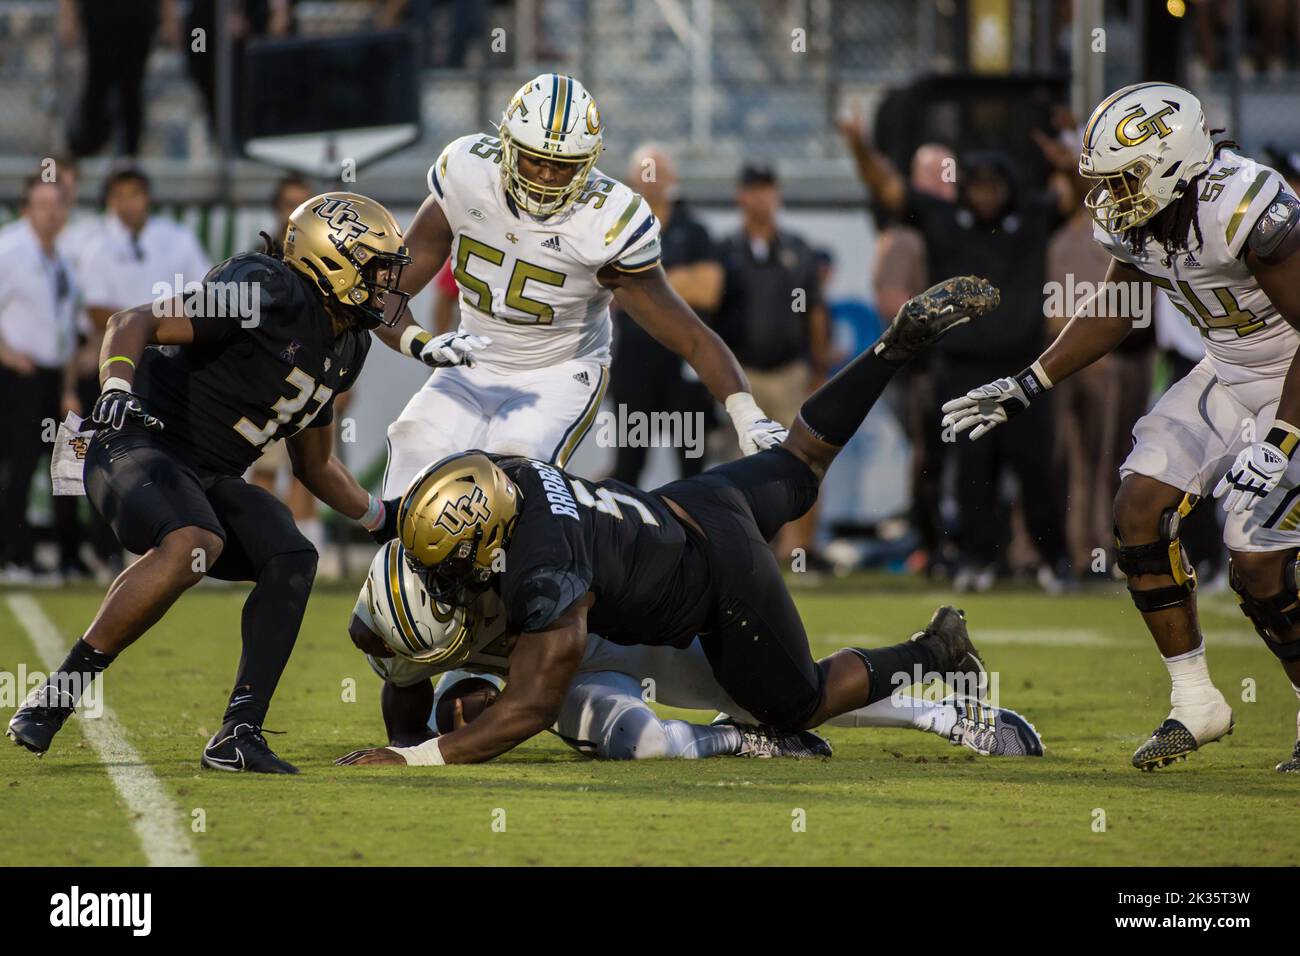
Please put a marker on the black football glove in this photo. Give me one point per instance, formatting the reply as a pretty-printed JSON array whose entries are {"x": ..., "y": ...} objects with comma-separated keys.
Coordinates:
[
  {"x": 115, "y": 407},
  {"x": 387, "y": 531}
]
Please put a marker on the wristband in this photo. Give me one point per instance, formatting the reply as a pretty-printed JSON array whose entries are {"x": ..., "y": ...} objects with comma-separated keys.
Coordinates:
[
  {"x": 1033, "y": 381},
  {"x": 414, "y": 339},
  {"x": 427, "y": 754},
  {"x": 115, "y": 358},
  {"x": 113, "y": 382},
  {"x": 373, "y": 519},
  {"x": 1284, "y": 436},
  {"x": 742, "y": 408}
]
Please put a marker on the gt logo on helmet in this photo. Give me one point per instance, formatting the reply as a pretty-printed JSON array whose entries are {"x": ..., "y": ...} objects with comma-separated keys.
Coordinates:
[
  {"x": 1153, "y": 125},
  {"x": 469, "y": 509}
]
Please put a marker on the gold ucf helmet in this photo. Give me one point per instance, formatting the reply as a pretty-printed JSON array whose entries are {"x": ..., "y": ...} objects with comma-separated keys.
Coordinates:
[
  {"x": 342, "y": 242},
  {"x": 453, "y": 520}
]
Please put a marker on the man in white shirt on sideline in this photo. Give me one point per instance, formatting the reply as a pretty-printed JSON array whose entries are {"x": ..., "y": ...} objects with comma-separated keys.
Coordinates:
[
  {"x": 38, "y": 340},
  {"x": 136, "y": 250}
]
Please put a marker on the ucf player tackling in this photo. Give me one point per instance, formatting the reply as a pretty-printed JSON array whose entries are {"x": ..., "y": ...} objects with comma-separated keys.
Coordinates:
[
  {"x": 1218, "y": 233},
  {"x": 540, "y": 243}
]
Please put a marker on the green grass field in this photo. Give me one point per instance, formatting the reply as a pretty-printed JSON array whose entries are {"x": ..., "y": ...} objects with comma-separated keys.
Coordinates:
[{"x": 1081, "y": 668}]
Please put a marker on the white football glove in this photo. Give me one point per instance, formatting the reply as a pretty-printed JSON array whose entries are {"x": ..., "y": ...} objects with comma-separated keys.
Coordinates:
[
  {"x": 988, "y": 406},
  {"x": 1257, "y": 471},
  {"x": 754, "y": 430},
  {"x": 452, "y": 348}
]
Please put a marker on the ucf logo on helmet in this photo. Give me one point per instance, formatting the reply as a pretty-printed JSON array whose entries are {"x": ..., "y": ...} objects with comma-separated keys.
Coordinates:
[
  {"x": 343, "y": 218},
  {"x": 1153, "y": 125},
  {"x": 469, "y": 509}
]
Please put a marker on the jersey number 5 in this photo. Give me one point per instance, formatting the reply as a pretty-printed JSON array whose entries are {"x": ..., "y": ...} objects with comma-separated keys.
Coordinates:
[{"x": 288, "y": 410}]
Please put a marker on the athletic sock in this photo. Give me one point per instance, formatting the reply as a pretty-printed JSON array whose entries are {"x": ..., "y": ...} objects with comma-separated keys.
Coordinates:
[
  {"x": 835, "y": 411},
  {"x": 65, "y": 686},
  {"x": 272, "y": 617},
  {"x": 694, "y": 741},
  {"x": 1189, "y": 675},
  {"x": 896, "y": 666},
  {"x": 904, "y": 711}
]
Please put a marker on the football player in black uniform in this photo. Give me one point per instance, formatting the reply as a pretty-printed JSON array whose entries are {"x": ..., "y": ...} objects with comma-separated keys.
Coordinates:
[
  {"x": 690, "y": 558},
  {"x": 192, "y": 391}
]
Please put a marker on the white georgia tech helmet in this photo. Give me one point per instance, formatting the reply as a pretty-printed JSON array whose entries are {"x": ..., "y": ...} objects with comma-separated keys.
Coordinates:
[
  {"x": 409, "y": 620},
  {"x": 1143, "y": 144},
  {"x": 552, "y": 117}
]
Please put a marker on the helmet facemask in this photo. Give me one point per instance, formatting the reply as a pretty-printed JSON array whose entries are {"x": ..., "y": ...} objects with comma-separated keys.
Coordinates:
[
  {"x": 368, "y": 299},
  {"x": 541, "y": 199},
  {"x": 1120, "y": 201},
  {"x": 456, "y": 580}
]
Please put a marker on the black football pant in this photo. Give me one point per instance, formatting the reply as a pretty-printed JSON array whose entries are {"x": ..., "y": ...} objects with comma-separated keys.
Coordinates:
[
  {"x": 648, "y": 379},
  {"x": 1026, "y": 447},
  {"x": 31, "y": 404},
  {"x": 146, "y": 491},
  {"x": 117, "y": 36},
  {"x": 755, "y": 642}
]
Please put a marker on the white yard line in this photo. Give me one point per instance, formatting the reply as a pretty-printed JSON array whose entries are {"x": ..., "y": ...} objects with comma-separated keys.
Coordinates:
[{"x": 156, "y": 818}]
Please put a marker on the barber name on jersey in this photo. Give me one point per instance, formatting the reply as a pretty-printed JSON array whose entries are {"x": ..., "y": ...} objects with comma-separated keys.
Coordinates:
[
  {"x": 530, "y": 284},
  {"x": 1210, "y": 284}
]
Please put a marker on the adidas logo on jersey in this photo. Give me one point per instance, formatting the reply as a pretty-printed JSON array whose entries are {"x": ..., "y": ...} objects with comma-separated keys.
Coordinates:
[
  {"x": 553, "y": 244},
  {"x": 1191, "y": 262},
  {"x": 582, "y": 378}
]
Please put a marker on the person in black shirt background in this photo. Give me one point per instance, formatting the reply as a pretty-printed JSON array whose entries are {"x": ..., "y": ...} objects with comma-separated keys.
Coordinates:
[
  {"x": 645, "y": 376},
  {"x": 998, "y": 230},
  {"x": 773, "y": 317},
  {"x": 258, "y": 353}
]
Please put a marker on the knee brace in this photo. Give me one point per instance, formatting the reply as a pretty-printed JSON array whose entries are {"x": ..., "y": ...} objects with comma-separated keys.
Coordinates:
[
  {"x": 1273, "y": 615},
  {"x": 1163, "y": 556}
]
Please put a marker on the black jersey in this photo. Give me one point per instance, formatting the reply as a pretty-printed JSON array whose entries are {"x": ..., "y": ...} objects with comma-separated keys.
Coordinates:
[
  {"x": 650, "y": 580},
  {"x": 265, "y": 362}
]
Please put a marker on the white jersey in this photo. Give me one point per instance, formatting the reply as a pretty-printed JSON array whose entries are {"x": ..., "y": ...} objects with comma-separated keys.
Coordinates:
[
  {"x": 527, "y": 284},
  {"x": 1245, "y": 338}
]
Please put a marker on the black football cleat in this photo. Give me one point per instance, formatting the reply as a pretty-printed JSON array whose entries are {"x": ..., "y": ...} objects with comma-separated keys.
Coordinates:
[
  {"x": 40, "y": 717},
  {"x": 764, "y": 742},
  {"x": 1172, "y": 742},
  {"x": 928, "y": 317},
  {"x": 955, "y": 656},
  {"x": 1292, "y": 765},
  {"x": 241, "y": 748}
]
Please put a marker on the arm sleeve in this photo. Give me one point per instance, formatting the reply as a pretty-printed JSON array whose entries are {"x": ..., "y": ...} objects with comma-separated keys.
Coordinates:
[{"x": 1275, "y": 223}]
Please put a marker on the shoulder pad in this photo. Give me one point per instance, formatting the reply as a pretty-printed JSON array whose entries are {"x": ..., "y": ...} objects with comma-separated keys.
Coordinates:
[
  {"x": 452, "y": 163},
  {"x": 252, "y": 275},
  {"x": 1276, "y": 223},
  {"x": 1247, "y": 192}
]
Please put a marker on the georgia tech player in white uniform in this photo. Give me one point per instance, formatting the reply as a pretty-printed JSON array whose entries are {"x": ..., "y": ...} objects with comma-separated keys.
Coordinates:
[
  {"x": 1217, "y": 232},
  {"x": 426, "y": 653},
  {"x": 540, "y": 243}
]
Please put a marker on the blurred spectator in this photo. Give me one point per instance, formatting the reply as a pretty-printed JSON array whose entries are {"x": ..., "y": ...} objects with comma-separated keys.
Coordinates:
[
  {"x": 901, "y": 271},
  {"x": 773, "y": 318},
  {"x": 1087, "y": 411},
  {"x": 136, "y": 250},
  {"x": 273, "y": 471},
  {"x": 74, "y": 518},
  {"x": 645, "y": 376},
  {"x": 117, "y": 36},
  {"x": 38, "y": 338},
  {"x": 247, "y": 19},
  {"x": 996, "y": 230}
]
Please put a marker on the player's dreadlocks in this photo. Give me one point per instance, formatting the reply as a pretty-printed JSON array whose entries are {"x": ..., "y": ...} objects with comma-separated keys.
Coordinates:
[
  {"x": 1173, "y": 226},
  {"x": 271, "y": 247}
]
